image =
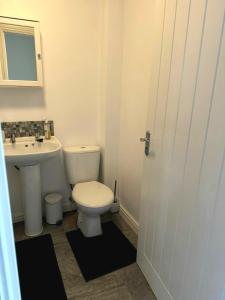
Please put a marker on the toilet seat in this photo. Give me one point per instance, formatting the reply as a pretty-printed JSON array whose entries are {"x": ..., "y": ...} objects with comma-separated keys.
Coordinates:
[{"x": 92, "y": 194}]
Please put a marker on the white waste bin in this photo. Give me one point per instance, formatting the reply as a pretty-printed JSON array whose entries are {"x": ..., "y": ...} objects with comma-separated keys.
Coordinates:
[{"x": 53, "y": 208}]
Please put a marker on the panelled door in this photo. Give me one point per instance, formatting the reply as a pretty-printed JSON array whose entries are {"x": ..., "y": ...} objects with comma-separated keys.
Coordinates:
[{"x": 181, "y": 247}]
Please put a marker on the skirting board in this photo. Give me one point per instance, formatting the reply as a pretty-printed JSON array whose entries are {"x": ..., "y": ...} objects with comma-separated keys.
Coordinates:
[
  {"x": 129, "y": 219},
  {"x": 66, "y": 207},
  {"x": 123, "y": 213},
  {"x": 160, "y": 290}
]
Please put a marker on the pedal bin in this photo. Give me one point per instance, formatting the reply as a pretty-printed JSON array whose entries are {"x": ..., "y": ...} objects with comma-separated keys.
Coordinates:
[{"x": 53, "y": 208}]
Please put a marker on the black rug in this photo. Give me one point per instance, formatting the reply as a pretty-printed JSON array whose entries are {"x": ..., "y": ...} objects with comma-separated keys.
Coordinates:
[
  {"x": 97, "y": 256},
  {"x": 39, "y": 274}
]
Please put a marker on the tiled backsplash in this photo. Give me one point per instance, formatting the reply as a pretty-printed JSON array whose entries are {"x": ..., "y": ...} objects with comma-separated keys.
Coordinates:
[{"x": 27, "y": 128}]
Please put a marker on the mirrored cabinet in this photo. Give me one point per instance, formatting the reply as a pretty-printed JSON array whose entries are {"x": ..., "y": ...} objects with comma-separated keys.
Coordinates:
[{"x": 20, "y": 53}]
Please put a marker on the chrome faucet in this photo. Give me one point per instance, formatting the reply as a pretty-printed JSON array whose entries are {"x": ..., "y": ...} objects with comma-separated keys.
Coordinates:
[
  {"x": 13, "y": 137},
  {"x": 37, "y": 136}
]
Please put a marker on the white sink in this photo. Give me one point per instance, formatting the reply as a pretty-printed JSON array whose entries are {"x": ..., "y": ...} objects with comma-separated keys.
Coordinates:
[
  {"x": 26, "y": 151},
  {"x": 27, "y": 154}
]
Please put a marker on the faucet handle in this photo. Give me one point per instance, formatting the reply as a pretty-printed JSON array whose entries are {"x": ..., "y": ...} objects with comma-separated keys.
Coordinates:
[
  {"x": 37, "y": 135},
  {"x": 13, "y": 137}
]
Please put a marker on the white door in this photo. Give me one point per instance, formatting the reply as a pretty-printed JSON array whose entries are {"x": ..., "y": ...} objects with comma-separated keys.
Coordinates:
[
  {"x": 181, "y": 247},
  {"x": 9, "y": 281}
]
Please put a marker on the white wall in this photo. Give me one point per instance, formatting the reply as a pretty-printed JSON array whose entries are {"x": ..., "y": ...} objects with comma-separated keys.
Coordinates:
[
  {"x": 96, "y": 59},
  {"x": 126, "y": 75},
  {"x": 134, "y": 101},
  {"x": 71, "y": 54},
  {"x": 71, "y": 36},
  {"x": 112, "y": 43}
]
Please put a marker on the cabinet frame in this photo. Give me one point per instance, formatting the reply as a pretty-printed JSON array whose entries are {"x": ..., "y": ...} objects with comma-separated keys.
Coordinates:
[{"x": 25, "y": 26}]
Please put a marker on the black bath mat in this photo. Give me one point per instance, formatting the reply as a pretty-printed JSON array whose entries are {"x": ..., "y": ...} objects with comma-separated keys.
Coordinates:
[
  {"x": 103, "y": 254},
  {"x": 39, "y": 273}
]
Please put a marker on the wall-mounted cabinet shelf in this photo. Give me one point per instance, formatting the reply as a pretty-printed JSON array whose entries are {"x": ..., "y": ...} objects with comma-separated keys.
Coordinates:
[{"x": 20, "y": 53}]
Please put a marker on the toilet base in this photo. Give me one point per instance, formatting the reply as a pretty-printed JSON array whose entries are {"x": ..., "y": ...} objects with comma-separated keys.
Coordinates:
[{"x": 90, "y": 225}]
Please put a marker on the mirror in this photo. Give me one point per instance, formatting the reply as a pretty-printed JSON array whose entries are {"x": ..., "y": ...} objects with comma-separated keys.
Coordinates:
[{"x": 20, "y": 55}]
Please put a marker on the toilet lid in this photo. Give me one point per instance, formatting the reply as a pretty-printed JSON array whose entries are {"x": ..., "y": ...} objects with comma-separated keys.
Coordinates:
[{"x": 92, "y": 194}]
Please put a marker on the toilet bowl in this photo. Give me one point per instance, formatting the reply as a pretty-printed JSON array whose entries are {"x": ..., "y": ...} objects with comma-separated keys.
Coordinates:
[{"x": 91, "y": 197}]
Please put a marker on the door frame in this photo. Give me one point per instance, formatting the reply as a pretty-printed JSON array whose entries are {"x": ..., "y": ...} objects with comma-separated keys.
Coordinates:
[{"x": 9, "y": 280}]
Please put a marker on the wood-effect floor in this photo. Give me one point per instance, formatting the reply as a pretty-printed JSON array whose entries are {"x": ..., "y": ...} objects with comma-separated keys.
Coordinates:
[{"x": 127, "y": 283}]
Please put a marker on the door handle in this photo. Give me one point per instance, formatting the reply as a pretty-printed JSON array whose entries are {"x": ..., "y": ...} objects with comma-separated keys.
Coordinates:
[{"x": 146, "y": 140}]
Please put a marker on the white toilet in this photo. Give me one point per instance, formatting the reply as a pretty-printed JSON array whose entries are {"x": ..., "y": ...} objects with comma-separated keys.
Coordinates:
[{"x": 92, "y": 197}]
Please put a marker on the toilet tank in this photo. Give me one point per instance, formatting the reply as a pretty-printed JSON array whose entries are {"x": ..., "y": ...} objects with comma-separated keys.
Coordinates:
[{"x": 82, "y": 163}]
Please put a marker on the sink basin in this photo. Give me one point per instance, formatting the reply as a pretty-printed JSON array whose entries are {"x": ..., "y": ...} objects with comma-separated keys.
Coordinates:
[
  {"x": 28, "y": 154},
  {"x": 26, "y": 151}
]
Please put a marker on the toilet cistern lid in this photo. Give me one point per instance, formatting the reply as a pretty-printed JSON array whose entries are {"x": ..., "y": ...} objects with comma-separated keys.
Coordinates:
[
  {"x": 92, "y": 194},
  {"x": 81, "y": 149}
]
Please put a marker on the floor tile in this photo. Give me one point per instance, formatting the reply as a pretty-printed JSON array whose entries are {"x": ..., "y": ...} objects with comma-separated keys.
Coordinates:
[{"x": 124, "y": 284}]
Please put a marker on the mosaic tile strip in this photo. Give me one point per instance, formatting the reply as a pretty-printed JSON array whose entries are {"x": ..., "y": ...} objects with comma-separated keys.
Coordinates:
[{"x": 27, "y": 128}]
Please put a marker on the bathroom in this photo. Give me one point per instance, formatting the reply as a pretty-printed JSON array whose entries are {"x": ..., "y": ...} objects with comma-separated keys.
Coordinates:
[{"x": 109, "y": 72}]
